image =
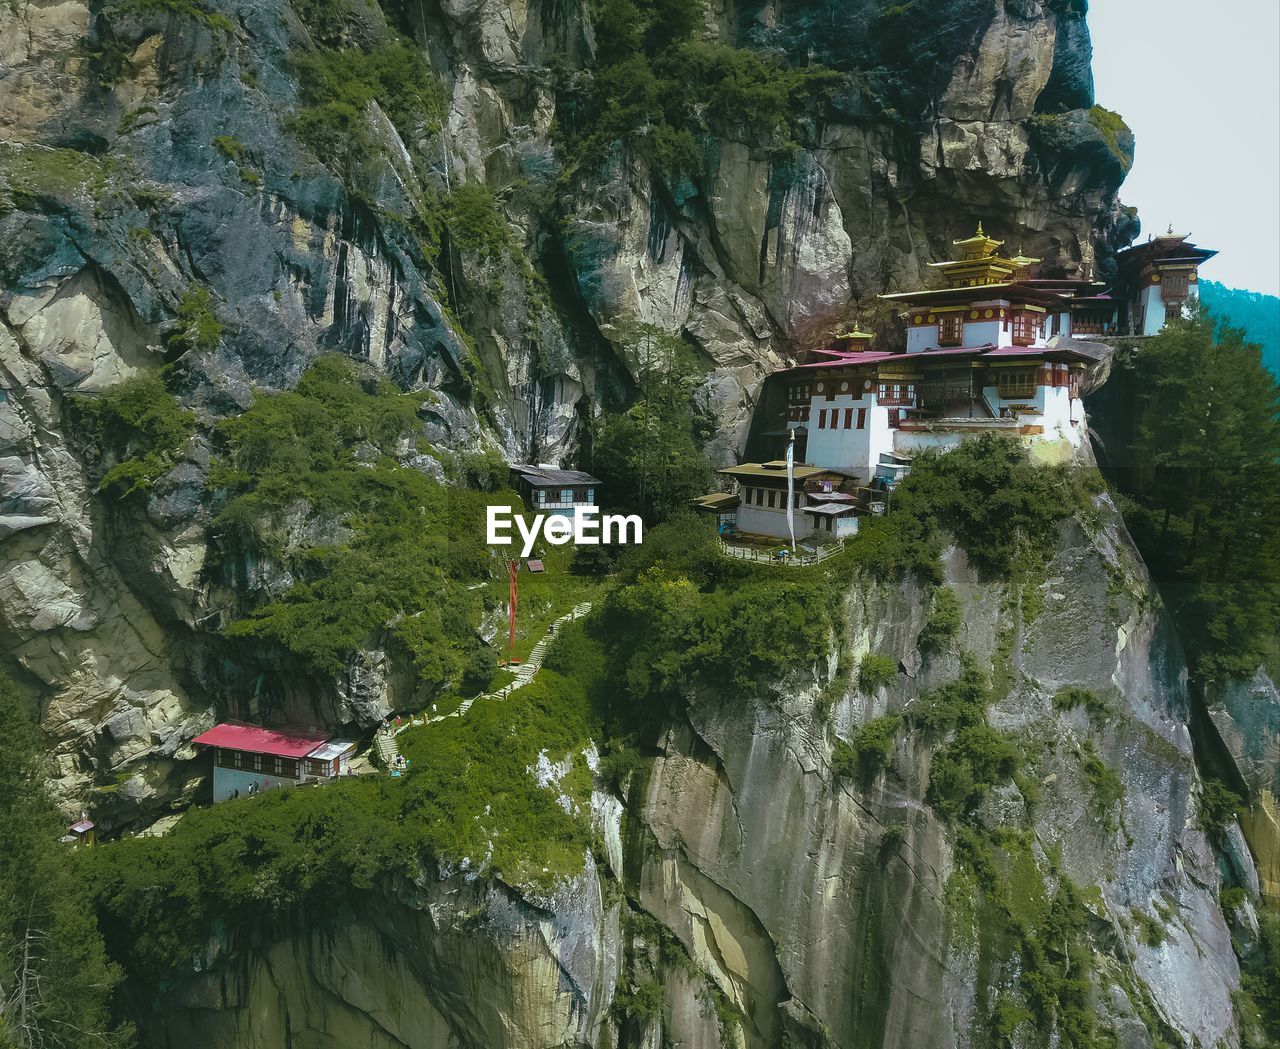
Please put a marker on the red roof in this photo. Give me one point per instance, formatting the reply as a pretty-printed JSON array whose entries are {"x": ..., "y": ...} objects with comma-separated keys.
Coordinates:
[
  {"x": 954, "y": 351},
  {"x": 842, "y": 357},
  {"x": 280, "y": 742}
]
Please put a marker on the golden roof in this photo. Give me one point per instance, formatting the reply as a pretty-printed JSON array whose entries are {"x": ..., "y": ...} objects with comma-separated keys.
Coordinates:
[
  {"x": 855, "y": 333},
  {"x": 979, "y": 242}
]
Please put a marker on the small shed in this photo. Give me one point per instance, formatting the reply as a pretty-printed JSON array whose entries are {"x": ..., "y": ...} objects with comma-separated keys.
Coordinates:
[
  {"x": 81, "y": 832},
  {"x": 554, "y": 491},
  {"x": 723, "y": 506}
]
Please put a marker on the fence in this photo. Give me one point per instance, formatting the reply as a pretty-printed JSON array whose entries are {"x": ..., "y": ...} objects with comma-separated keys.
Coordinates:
[{"x": 800, "y": 557}]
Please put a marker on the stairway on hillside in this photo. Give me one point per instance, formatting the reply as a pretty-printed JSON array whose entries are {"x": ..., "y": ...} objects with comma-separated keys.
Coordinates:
[
  {"x": 385, "y": 746},
  {"x": 527, "y": 670}
]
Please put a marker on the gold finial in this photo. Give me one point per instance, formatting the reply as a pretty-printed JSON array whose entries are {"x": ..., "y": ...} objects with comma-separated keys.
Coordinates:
[
  {"x": 1170, "y": 229},
  {"x": 981, "y": 234}
]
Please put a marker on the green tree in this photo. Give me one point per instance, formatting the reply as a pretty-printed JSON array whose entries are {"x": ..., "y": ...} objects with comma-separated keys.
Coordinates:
[
  {"x": 648, "y": 457},
  {"x": 55, "y": 979},
  {"x": 1202, "y": 473}
]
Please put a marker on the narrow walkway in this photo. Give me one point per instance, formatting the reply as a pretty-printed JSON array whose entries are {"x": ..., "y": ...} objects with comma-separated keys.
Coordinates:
[
  {"x": 524, "y": 673},
  {"x": 752, "y": 553}
]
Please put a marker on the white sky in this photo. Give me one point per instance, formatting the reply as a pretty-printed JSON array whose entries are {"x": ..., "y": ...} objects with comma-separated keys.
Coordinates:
[{"x": 1199, "y": 83}]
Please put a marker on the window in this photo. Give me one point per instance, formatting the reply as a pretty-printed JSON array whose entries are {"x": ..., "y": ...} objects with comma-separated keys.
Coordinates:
[
  {"x": 236, "y": 759},
  {"x": 951, "y": 329},
  {"x": 591, "y": 495},
  {"x": 541, "y": 496},
  {"x": 277, "y": 766},
  {"x": 1024, "y": 328},
  {"x": 759, "y": 497},
  {"x": 822, "y": 419},
  {"x": 862, "y": 418},
  {"x": 1016, "y": 382},
  {"x": 772, "y": 494},
  {"x": 1173, "y": 286},
  {"x": 257, "y": 763},
  {"x": 848, "y": 418},
  {"x": 566, "y": 495}
]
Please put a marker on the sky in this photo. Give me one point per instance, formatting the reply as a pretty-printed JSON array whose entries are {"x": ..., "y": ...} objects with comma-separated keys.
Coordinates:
[{"x": 1199, "y": 84}]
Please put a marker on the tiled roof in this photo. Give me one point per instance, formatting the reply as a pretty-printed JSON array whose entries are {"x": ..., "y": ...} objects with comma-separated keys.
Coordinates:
[
  {"x": 552, "y": 477},
  {"x": 279, "y": 742}
]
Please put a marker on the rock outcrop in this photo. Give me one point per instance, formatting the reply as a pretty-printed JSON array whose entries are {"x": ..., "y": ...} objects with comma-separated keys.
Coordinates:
[
  {"x": 778, "y": 902},
  {"x": 152, "y": 149}
]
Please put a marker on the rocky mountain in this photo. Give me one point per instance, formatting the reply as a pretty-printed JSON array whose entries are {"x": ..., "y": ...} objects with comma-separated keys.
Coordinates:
[
  {"x": 495, "y": 206},
  {"x": 163, "y": 203},
  {"x": 755, "y": 892}
]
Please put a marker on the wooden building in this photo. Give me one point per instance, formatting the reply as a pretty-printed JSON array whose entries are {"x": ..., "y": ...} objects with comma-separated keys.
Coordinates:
[
  {"x": 249, "y": 758},
  {"x": 552, "y": 491}
]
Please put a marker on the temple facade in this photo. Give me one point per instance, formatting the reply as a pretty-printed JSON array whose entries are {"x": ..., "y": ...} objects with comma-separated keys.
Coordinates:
[{"x": 995, "y": 348}]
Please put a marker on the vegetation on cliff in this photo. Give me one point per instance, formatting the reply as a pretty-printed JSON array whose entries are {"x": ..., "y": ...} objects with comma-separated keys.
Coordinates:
[
  {"x": 504, "y": 790},
  {"x": 1200, "y": 469},
  {"x": 1005, "y": 511},
  {"x": 407, "y": 545},
  {"x": 140, "y": 427},
  {"x": 55, "y": 980},
  {"x": 657, "y": 88},
  {"x": 649, "y": 456}
]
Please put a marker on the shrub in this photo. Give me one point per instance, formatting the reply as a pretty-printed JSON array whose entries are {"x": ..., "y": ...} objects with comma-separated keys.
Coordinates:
[
  {"x": 892, "y": 836},
  {"x": 230, "y": 147},
  {"x": 1105, "y": 788},
  {"x": 412, "y": 545},
  {"x": 141, "y": 423},
  {"x": 962, "y": 770},
  {"x": 1073, "y": 696},
  {"x": 1232, "y": 899},
  {"x": 475, "y": 221},
  {"x": 1219, "y": 806},
  {"x": 198, "y": 326},
  {"x": 641, "y": 1001},
  {"x": 963, "y": 701},
  {"x": 1150, "y": 930},
  {"x": 337, "y": 87},
  {"x": 944, "y": 620},
  {"x": 869, "y": 750},
  {"x": 1005, "y": 511},
  {"x": 875, "y": 671}
]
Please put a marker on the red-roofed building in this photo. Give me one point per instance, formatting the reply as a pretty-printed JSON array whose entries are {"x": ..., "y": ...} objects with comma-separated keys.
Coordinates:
[{"x": 248, "y": 759}]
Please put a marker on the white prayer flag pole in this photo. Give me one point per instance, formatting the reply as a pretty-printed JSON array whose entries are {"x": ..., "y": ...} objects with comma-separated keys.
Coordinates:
[{"x": 791, "y": 487}]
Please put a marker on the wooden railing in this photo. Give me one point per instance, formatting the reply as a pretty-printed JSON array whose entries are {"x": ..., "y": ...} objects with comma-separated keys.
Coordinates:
[{"x": 755, "y": 553}]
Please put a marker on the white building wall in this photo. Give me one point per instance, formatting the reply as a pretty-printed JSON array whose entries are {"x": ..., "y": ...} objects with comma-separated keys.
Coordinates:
[
  {"x": 881, "y": 438},
  {"x": 983, "y": 333},
  {"x": 760, "y": 520},
  {"x": 907, "y": 442},
  {"x": 852, "y": 448},
  {"x": 1151, "y": 307},
  {"x": 922, "y": 337},
  {"x": 226, "y": 781}
]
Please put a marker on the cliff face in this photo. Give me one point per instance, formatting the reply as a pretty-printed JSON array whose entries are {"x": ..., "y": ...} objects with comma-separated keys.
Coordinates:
[
  {"x": 152, "y": 149},
  {"x": 773, "y": 900}
]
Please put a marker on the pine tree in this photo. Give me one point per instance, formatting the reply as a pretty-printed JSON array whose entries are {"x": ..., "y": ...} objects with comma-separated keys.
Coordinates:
[
  {"x": 1206, "y": 491},
  {"x": 55, "y": 979}
]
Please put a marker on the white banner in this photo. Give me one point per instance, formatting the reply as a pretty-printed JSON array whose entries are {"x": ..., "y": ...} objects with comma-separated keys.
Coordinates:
[{"x": 791, "y": 489}]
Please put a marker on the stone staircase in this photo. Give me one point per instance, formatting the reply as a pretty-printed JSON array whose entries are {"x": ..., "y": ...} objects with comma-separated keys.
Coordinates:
[
  {"x": 527, "y": 670},
  {"x": 385, "y": 747}
]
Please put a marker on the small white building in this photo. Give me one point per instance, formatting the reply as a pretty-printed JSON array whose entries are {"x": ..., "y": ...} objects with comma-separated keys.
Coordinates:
[
  {"x": 553, "y": 491},
  {"x": 248, "y": 759},
  {"x": 818, "y": 507}
]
